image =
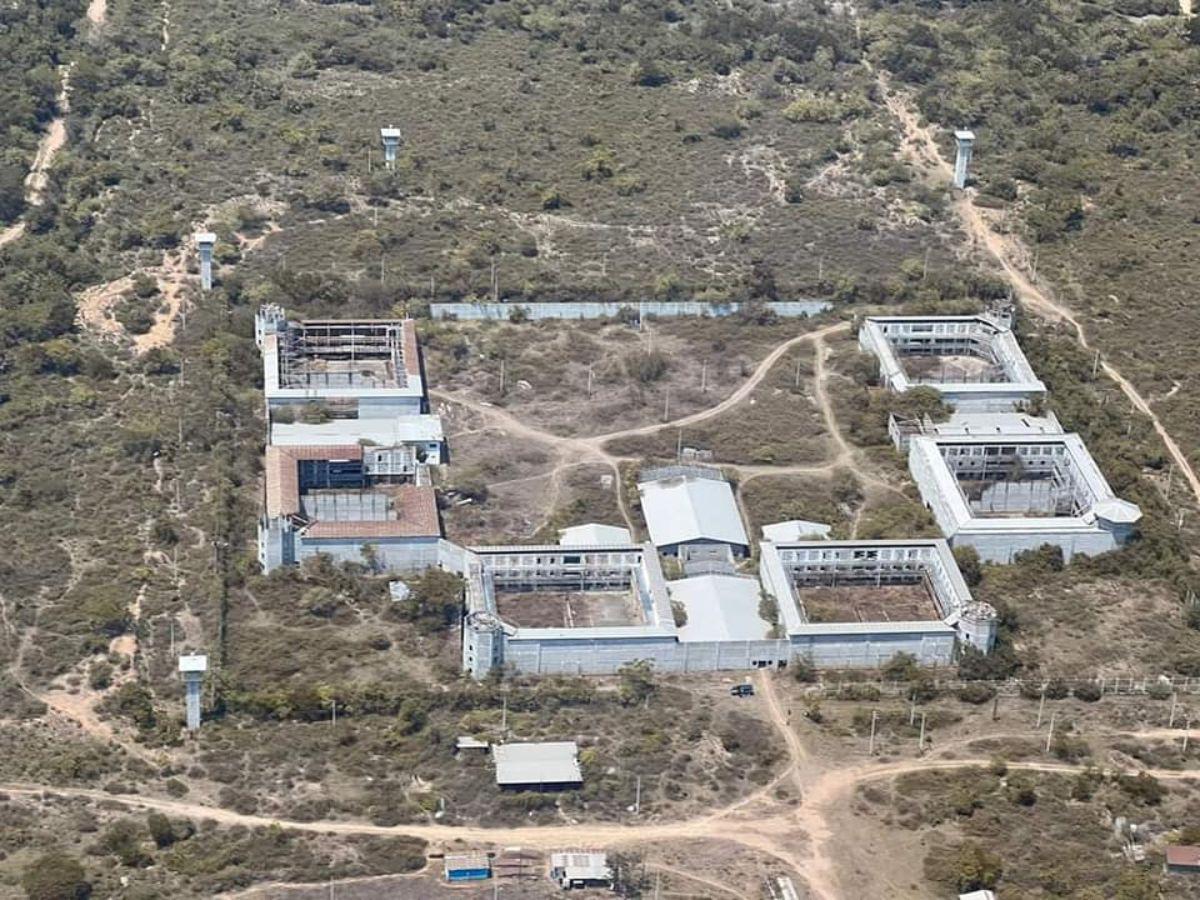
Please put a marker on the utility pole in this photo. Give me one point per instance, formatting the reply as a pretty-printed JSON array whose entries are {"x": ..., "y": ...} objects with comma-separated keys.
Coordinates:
[
  {"x": 501, "y": 376},
  {"x": 589, "y": 381},
  {"x": 996, "y": 707},
  {"x": 667, "y": 407},
  {"x": 637, "y": 798},
  {"x": 921, "y": 743},
  {"x": 704, "y": 377},
  {"x": 871, "y": 744},
  {"x": 495, "y": 283},
  {"x": 173, "y": 642},
  {"x": 1095, "y": 365},
  {"x": 912, "y": 711},
  {"x": 679, "y": 447},
  {"x": 333, "y": 707},
  {"x": 1170, "y": 478},
  {"x": 504, "y": 718},
  {"x": 1041, "y": 707},
  {"x": 1187, "y": 732},
  {"x": 1050, "y": 733},
  {"x": 1170, "y": 721}
]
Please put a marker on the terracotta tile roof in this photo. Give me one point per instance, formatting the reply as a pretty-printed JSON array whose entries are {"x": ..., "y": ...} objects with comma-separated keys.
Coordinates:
[
  {"x": 1184, "y": 856},
  {"x": 283, "y": 473},
  {"x": 417, "y": 516},
  {"x": 412, "y": 364}
]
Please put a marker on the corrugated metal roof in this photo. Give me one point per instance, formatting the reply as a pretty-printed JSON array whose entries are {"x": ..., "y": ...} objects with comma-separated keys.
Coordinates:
[
  {"x": 593, "y": 534},
  {"x": 589, "y": 865},
  {"x": 551, "y": 762},
  {"x": 679, "y": 510},
  {"x": 457, "y": 862}
]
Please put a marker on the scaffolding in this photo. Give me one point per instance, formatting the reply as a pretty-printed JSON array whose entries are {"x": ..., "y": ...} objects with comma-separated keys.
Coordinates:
[{"x": 342, "y": 354}]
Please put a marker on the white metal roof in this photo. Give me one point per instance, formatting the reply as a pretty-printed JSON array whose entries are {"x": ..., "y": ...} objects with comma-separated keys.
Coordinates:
[
  {"x": 795, "y": 530},
  {"x": 682, "y": 509},
  {"x": 383, "y": 432},
  {"x": 195, "y": 663},
  {"x": 592, "y": 534},
  {"x": 720, "y": 608},
  {"x": 583, "y": 865},
  {"x": 551, "y": 762}
]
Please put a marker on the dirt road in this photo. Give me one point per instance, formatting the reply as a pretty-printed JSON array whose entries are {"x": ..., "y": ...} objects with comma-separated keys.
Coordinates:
[
  {"x": 921, "y": 148},
  {"x": 39, "y": 173}
]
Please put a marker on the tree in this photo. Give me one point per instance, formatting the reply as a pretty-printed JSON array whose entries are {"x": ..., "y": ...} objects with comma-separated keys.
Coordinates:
[
  {"x": 901, "y": 667},
  {"x": 637, "y": 682},
  {"x": 161, "y": 830},
  {"x": 967, "y": 558},
  {"x": 977, "y": 869},
  {"x": 55, "y": 876},
  {"x": 12, "y": 192}
]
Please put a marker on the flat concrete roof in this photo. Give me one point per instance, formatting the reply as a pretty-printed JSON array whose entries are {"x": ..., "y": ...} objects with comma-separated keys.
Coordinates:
[
  {"x": 551, "y": 762},
  {"x": 720, "y": 608}
]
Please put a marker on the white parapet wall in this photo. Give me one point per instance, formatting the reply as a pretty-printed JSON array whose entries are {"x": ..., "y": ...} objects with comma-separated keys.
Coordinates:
[
  {"x": 891, "y": 339},
  {"x": 1010, "y": 515}
]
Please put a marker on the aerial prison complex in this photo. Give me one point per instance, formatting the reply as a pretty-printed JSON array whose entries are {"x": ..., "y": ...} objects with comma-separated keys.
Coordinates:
[{"x": 351, "y": 440}]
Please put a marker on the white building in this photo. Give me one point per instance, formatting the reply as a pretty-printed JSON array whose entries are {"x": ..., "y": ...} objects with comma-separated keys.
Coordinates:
[
  {"x": 580, "y": 869},
  {"x": 548, "y": 765},
  {"x": 974, "y": 362},
  {"x": 593, "y": 534},
  {"x": 1006, "y": 494},
  {"x": 690, "y": 510}
]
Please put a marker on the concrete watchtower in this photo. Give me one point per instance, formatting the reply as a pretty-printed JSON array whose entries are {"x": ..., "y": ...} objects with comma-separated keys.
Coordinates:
[
  {"x": 977, "y": 625},
  {"x": 966, "y": 143},
  {"x": 205, "y": 241},
  {"x": 391, "y": 143},
  {"x": 193, "y": 668}
]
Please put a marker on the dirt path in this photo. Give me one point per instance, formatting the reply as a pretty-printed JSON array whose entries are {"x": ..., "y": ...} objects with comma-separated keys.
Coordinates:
[
  {"x": 52, "y": 142},
  {"x": 772, "y": 832},
  {"x": 919, "y": 145}
]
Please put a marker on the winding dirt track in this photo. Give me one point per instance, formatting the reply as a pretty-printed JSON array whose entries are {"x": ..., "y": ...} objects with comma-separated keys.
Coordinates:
[{"x": 921, "y": 148}]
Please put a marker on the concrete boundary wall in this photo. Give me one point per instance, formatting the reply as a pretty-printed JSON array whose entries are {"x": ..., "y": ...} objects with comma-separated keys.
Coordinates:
[{"x": 599, "y": 310}]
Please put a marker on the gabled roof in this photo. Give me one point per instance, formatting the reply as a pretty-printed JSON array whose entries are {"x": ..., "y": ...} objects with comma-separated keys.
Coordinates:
[{"x": 686, "y": 508}]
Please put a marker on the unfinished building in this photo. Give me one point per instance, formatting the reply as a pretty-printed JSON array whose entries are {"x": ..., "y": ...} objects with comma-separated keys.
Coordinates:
[
  {"x": 974, "y": 362},
  {"x": 349, "y": 443},
  {"x": 341, "y": 501},
  {"x": 1004, "y": 494},
  {"x": 848, "y": 604}
]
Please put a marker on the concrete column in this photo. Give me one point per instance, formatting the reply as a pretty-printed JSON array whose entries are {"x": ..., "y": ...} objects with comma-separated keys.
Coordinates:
[
  {"x": 391, "y": 143},
  {"x": 965, "y": 141},
  {"x": 205, "y": 241}
]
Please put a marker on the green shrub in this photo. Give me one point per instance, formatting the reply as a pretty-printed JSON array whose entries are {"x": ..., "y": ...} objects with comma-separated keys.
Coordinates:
[{"x": 55, "y": 876}]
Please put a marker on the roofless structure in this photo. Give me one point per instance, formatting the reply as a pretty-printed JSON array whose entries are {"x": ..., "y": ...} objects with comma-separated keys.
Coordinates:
[{"x": 974, "y": 362}]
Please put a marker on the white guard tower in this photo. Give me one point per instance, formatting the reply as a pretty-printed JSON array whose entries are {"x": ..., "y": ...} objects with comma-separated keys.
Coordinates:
[
  {"x": 391, "y": 143},
  {"x": 965, "y": 141},
  {"x": 205, "y": 241},
  {"x": 193, "y": 668}
]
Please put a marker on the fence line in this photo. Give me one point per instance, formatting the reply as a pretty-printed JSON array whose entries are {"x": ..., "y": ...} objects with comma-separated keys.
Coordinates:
[
  {"x": 585, "y": 309},
  {"x": 1121, "y": 685}
]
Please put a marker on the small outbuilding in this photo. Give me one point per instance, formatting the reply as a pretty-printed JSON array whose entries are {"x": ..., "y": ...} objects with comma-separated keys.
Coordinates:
[
  {"x": 796, "y": 530},
  {"x": 1183, "y": 859},
  {"x": 467, "y": 866},
  {"x": 593, "y": 534},
  {"x": 978, "y": 895},
  {"x": 580, "y": 869},
  {"x": 548, "y": 766}
]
